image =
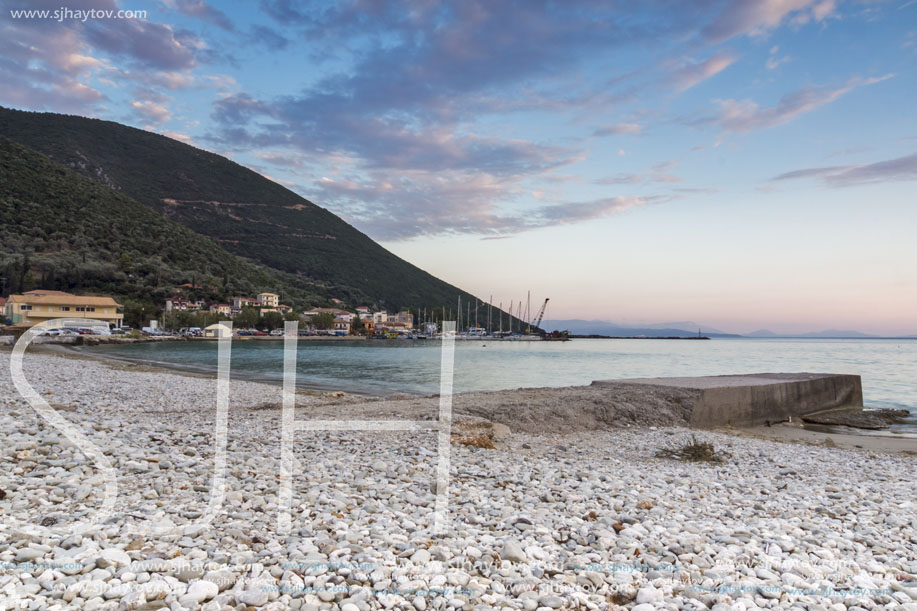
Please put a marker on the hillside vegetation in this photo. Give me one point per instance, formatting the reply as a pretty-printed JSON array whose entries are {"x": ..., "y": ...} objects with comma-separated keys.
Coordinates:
[
  {"x": 62, "y": 231},
  {"x": 238, "y": 209}
]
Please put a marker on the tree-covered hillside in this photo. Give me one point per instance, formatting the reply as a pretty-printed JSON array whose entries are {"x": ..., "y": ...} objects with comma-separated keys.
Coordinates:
[
  {"x": 247, "y": 214},
  {"x": 62, "y": 231}
]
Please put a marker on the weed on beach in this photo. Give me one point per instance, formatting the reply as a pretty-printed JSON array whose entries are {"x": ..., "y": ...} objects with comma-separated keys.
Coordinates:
[{"x": 695, "y": 451}]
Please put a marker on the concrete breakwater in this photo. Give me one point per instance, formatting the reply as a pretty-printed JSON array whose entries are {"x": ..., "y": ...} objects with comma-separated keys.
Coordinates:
[{"x": 748, "y": 400}]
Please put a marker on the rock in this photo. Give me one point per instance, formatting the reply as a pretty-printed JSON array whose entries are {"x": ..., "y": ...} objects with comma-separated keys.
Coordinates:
[
  {"x": 253, "y": 598},
  {"x": 202, "y": 590},
  {"x": 512, "y": 552},
  {"x": 132, "y": 600},
  {"x": 873, "y": 419},
  {"x": 501, "y": 432},
  {"x": 189, "y": 573},
  {"x": 649, "y": 595},
  {"x": 29, "y": 554},
  {"x": 421, "y": 556},
  {"x": 223, "y": 578},
  {"x": 551, "y": 601},
  {"x": 113, "y": 557}
]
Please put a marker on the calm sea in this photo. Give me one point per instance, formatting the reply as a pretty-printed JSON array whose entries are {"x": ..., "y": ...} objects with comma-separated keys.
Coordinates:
[{"x": 888, "y": 367}]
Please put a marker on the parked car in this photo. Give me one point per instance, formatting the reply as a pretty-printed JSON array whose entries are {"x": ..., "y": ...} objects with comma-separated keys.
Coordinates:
[
  {"x": 277, "y": 332},
  {"x": 259, "y": 333}
]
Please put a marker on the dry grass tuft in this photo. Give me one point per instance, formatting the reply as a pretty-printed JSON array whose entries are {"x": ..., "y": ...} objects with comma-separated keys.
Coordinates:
[
  {"x": 695, "y": 451},
  {"x": 476, "y": 441}
]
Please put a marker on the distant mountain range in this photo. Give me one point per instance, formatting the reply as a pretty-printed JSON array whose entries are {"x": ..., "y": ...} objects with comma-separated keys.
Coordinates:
[
  {"x": 687, "y": 329},
  {"x": 601, "y": 327}
]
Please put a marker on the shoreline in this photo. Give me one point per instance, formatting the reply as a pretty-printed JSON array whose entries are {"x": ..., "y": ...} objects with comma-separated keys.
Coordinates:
[{"x": 784, "y": 432}]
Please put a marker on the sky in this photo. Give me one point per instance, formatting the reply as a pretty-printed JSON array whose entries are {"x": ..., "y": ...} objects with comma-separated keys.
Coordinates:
[{"x": 744, "y": 165}]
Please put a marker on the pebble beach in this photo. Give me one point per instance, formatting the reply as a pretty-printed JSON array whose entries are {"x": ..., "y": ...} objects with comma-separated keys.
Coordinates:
[{"x": 546, "y": 519}]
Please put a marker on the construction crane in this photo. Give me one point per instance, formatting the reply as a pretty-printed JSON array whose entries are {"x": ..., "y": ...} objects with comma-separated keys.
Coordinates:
[{"x": 537, "y": 322}]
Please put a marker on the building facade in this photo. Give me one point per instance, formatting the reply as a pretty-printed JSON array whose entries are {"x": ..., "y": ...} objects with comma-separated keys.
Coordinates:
[
  {"x": 268, "y": 300},
  {"x": 38, "y": 306}
]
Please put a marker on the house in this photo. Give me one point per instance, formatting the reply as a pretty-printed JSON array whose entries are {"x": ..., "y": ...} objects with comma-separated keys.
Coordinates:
[
  {"x": 34, "y": 307},
  {"x": 284, "y": 309},
  {"x": 221, "y": 308},
  {"x": 392, "y": 325},
  {"x": 364, "y": 313},
  {"x": 268, "y": 300},
  {"x": 380, "y": 317},
  {"x": 401, "y": 322},
  {"x": 244, "y": 302},
  {"x": 337, "y": 313},
  {"x": 213, "y": 330},
  {"x": 403, "y": 317},
  {"x": 177, "y": 304},
  {"x": 341, "y": 323}
]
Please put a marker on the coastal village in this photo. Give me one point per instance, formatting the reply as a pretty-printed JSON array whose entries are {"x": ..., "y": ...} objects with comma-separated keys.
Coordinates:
[{"x": 261, "y": 314}]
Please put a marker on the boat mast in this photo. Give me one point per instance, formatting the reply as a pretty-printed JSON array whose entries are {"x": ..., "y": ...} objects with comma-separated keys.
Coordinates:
[{"x": 528, "y": 311}]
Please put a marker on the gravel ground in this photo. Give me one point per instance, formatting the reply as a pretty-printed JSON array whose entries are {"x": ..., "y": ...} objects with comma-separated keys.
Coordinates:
[{"x": 556, "y": 517}]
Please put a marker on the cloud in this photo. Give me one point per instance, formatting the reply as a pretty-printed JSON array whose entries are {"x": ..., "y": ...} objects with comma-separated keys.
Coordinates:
[
  {"x": 774, "y": 60},
  {"x": 583, "y": 211},
  {"x": 405, "y": 111},
  {"x": 451, "y": 203},
  {"x": 153, "y": 111},
  {"x": 690, "y": 74},
  {"x": 757, "y": 17},
  {"x": 173, "y": 80},
  {"x": 45, "y": 72},
  {"x": 737, "y": 116},
  {"x": 58, "y": 65},
  {"x": 658, "y": 173},
  {"x": 379, "y": 142},
  {"x": 148, "y": 44},
  {"x": 891, "y": 170},
  {"x": 178, "y": 136},
  {"x": 618, "y": 129},
  {"x": 203, "y": 11}
]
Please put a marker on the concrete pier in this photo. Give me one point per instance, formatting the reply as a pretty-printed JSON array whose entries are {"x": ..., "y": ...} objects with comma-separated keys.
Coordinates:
[{"x": 747, "y": 400}]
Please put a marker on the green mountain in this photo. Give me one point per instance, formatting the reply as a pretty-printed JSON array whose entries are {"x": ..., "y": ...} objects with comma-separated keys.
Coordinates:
[
  {"x": 239, "y": 210},
  {"x": 62, "y": 231}
]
